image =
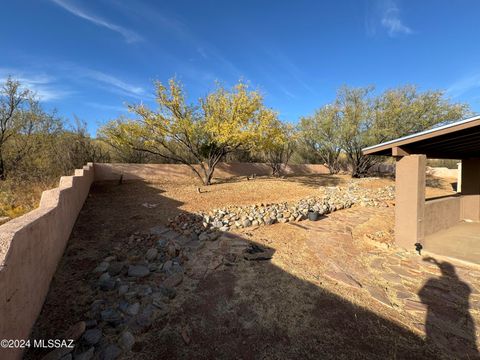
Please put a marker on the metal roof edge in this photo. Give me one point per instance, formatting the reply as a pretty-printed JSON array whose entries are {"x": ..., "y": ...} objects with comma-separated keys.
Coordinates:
[{"x": 412, "y": 136}]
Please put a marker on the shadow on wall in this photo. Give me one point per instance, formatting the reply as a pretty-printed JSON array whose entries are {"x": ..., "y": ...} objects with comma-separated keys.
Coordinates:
[
  {"x": 448, "y": 318},
  {"x": 248, "y": 310}
]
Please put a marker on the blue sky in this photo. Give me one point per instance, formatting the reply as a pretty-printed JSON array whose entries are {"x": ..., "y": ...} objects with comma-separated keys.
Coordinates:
[{"x": 89, "y": 58}]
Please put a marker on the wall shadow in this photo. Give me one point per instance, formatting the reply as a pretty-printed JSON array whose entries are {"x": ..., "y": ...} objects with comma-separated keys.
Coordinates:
[
  {"x": 242, "y": 310},
  {"x": 448, "y": 319}
]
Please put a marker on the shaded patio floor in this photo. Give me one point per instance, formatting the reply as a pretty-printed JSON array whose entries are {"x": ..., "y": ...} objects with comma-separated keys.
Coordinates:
[{"x": 461, "y": 242}]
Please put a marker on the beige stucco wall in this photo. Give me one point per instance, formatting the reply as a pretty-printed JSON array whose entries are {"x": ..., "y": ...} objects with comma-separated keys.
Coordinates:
[
  {"x": 30, "y": 249},
  {"x": 223, "y": 170},
  {"x": 442, "y": 213},
  {"x": 471, "y": 189}
]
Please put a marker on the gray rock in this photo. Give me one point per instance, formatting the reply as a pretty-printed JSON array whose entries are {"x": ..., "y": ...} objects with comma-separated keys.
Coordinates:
[
  {"x": 224, "y": 228},
  {"x": 110, "y": 352},
  {"x": 161, "y": 243},
  {"x": 123, "y": 306},
  {"x": 203, "y": 236},
  {"x": 123, "y": 289},
  {"x": 108, "y": 284},
  {"x": 217, "y": 224},
  {"x": 86, "y": 355},
  {"x": 168, "y": 292},
  {"x": 173, "y": 280},
  {"x": 151, "y": 254},
  {"x": 246, "y": 223},
  {"x": 92, "y": 336},
  {"x": 130, "y": 294},
  {"x": 97, "y": 305},
  {"x": 214, "y": 236},
  {"x": 102, "y": 267},
  {"x": 90, "y": 323},
  {"x": 159, "y": 230},
  {"x": 138, "y": 271},
  {"x": 145, "y": 318},
  {"x": 110, "y": 258},
  {"x": 269, "y": 221},
  {"x": 133, "y": 309},
  {"x": 144, "y": 290},
  {"x": 104, "y": 277},
  {"x": 115, "y": 268},
  {"x": 127, "y": 340},
  {"x": 167, "y": 266},
  {"x": 111, "y": 316}
]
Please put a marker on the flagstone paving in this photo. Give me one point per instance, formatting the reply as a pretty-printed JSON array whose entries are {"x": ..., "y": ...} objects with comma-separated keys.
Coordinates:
[{"x": 394, "y": 277}]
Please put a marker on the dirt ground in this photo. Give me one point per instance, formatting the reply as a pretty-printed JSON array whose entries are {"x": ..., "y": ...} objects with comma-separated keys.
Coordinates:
[
  {"x": 317, "y": 298},
  {"x": 239, "y": 191}
]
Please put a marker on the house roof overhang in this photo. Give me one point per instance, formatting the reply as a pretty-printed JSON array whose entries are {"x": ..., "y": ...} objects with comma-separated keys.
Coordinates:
[{"x": 458, "y": 140}]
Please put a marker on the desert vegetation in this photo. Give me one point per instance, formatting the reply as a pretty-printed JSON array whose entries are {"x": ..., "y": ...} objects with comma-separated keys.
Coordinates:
[
  {"x": 227, "y": 124},
  {"x": 36, "y": 148}
]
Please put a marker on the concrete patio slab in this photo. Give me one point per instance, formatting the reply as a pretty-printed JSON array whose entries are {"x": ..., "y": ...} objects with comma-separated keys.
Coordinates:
[{"x": 461, "y": 242}]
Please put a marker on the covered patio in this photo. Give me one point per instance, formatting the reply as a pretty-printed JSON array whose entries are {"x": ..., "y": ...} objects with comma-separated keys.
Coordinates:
[{"x": 449, "y": 225}]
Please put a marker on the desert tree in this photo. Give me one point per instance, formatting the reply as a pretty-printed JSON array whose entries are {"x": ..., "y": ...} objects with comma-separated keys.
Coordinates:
[
  {"x": 320, "y": 133},
  {"x": 200, "y": 136},
  {"x": 404, "y": 110},
  {"x": 13, "y": 102},
  {"x": 366, "y": 119},
  {"x": 354, "y": 107},
  {"x": 276, "y": 143}
]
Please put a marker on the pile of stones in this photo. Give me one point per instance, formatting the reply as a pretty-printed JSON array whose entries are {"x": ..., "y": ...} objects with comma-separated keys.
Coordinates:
[
  {"x": 134, "y": 286},
  {"x": 333, "y": 199}
]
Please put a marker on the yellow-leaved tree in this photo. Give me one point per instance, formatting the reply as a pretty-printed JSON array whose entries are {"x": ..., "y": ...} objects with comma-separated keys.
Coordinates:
[
  {"x": 277, "y": 143},
  {"x": 199, "y": 136}
]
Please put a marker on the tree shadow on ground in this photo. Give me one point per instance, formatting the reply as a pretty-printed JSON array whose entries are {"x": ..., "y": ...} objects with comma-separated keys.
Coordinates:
[
  {"x": 317, "y": 180},
  {"x": 242, "y": 309},
  {"x": 314, "y": 181}
]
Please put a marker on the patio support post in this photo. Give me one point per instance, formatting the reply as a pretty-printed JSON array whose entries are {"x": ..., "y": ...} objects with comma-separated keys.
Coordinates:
[
  {"x": 471, "y": 189},
  {"x": 409, "y": 200}
]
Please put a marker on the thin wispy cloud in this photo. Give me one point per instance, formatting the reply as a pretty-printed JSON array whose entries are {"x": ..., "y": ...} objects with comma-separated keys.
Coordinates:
[
  {"x": 287, "y": 92},
  {"x": 48, "y": 82},
  {"x": 111, "y": 81},
  {"x": 44, "y": 87},
  {"x": 464, "y": 85},
  {"x": 106, "y": 81},
  {"x": 291, "y": 69},
  {"x": 129, "y": 35},
  {"x": 392, "y": 22},
  {"x": 387, "y": 15},
  {"x": 174, "y": 26}
]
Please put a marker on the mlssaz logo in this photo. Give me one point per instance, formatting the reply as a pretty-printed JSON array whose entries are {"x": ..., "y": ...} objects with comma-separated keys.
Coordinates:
[{"x": 54, "y": 343}]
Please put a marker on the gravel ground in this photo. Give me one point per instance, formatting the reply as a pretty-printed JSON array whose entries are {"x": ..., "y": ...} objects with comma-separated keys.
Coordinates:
[{"x": 226, "y": 306}]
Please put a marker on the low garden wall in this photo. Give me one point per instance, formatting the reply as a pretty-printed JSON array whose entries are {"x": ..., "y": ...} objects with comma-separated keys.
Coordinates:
[
  {"x": 32, "y": 245},
  {"x": 104, "y": 171},
  {"x": 442, "y": 213},
  {"x": 30, "y": 248}
]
